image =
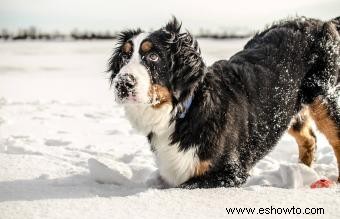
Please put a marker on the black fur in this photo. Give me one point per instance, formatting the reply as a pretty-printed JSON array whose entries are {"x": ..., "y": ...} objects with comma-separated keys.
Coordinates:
[
  {"x": 187, "y": 67},
  {"x": 242, "y": 106},
  {"x": 253, "y": 96}
]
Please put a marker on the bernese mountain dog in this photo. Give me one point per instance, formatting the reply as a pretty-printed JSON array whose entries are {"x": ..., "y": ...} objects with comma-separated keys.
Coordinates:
[{"x": 209, "y": 125}]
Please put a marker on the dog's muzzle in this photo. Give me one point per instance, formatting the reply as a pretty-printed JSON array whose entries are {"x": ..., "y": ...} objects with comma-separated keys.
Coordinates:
[{"x": 125, "y": 86}]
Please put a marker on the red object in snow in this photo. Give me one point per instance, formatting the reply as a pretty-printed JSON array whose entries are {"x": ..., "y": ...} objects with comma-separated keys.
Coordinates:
[{"x": 322, "y": 183}]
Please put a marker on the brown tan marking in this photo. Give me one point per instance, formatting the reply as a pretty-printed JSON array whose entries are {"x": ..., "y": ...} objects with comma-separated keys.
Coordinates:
[
  {"x": 127, "y": 47},
  {"x": 159, "y": 94},
  {"x": 327, "y": 126},
  {"x": 304, "y": 138},
  {"x": 202, "y": 167},
  {"x": 146, "y": 46}
]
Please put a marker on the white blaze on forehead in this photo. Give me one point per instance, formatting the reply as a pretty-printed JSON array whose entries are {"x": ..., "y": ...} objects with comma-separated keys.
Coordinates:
[
  {"x": 137, "y": 41},
  {"x": 135, "y": 68}
]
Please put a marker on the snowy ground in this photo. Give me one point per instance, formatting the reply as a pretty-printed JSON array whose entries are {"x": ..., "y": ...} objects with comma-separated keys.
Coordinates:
[{"x": 67, "y": 151}]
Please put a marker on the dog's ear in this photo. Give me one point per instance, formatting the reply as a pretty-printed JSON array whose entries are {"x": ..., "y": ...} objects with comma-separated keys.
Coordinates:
[
  {"x": 115, "y": 64},
  {"x": 116, "y": 61},
  {"x": 187, "y": 67},
  {"x": 173, "y": 26}
]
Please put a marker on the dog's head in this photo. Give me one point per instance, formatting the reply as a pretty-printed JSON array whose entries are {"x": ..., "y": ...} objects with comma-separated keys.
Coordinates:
[{"x": 161, "y": 67}]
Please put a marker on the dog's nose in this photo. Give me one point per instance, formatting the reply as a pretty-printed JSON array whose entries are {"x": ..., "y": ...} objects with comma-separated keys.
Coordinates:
[
  {"x": 125, "y": 85},
  {"x": 129, "y": 80}
]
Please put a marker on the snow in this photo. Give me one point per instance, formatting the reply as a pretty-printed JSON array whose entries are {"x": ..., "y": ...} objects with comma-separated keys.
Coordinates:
[{"x": 67, "y": 150}]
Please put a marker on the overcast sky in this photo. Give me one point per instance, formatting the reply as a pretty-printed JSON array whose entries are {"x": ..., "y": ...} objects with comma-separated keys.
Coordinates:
[{"x": 115, "y": 15}]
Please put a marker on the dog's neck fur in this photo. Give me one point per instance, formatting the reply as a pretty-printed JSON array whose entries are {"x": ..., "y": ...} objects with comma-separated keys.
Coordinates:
[
  {"x": 185, "y": 98},
  {"x": 146, "y": 119}
]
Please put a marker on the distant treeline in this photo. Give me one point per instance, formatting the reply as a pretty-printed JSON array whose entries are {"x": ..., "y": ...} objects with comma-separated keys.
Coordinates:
[
  {"x": 33, "y": 34},
  {"x": 223, "y": 36}
]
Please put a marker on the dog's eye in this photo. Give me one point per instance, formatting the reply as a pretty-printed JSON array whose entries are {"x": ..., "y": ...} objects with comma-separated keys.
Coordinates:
[{"x": 153, "y": 57}]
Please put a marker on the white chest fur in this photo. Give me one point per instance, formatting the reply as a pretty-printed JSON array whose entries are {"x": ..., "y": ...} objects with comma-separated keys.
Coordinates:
[{"x": 175, "y": 166}]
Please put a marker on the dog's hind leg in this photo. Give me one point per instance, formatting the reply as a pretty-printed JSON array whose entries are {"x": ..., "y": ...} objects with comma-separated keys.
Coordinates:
[
  {"x": 326, "y": 113},
  {"x": 303, "y": 133}
]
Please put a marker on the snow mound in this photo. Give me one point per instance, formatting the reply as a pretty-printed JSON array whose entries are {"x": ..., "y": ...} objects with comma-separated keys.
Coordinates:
[
  {"x": 288, "y": 176},
  {"x": 117, "y": 173}
]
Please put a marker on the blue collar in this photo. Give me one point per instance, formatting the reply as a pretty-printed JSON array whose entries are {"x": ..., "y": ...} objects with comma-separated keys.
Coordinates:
[{"x": 186, "y": 105}]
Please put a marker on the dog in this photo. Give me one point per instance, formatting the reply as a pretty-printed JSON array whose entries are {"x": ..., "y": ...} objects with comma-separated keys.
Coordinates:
[{"x": 208, "y": 126}]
